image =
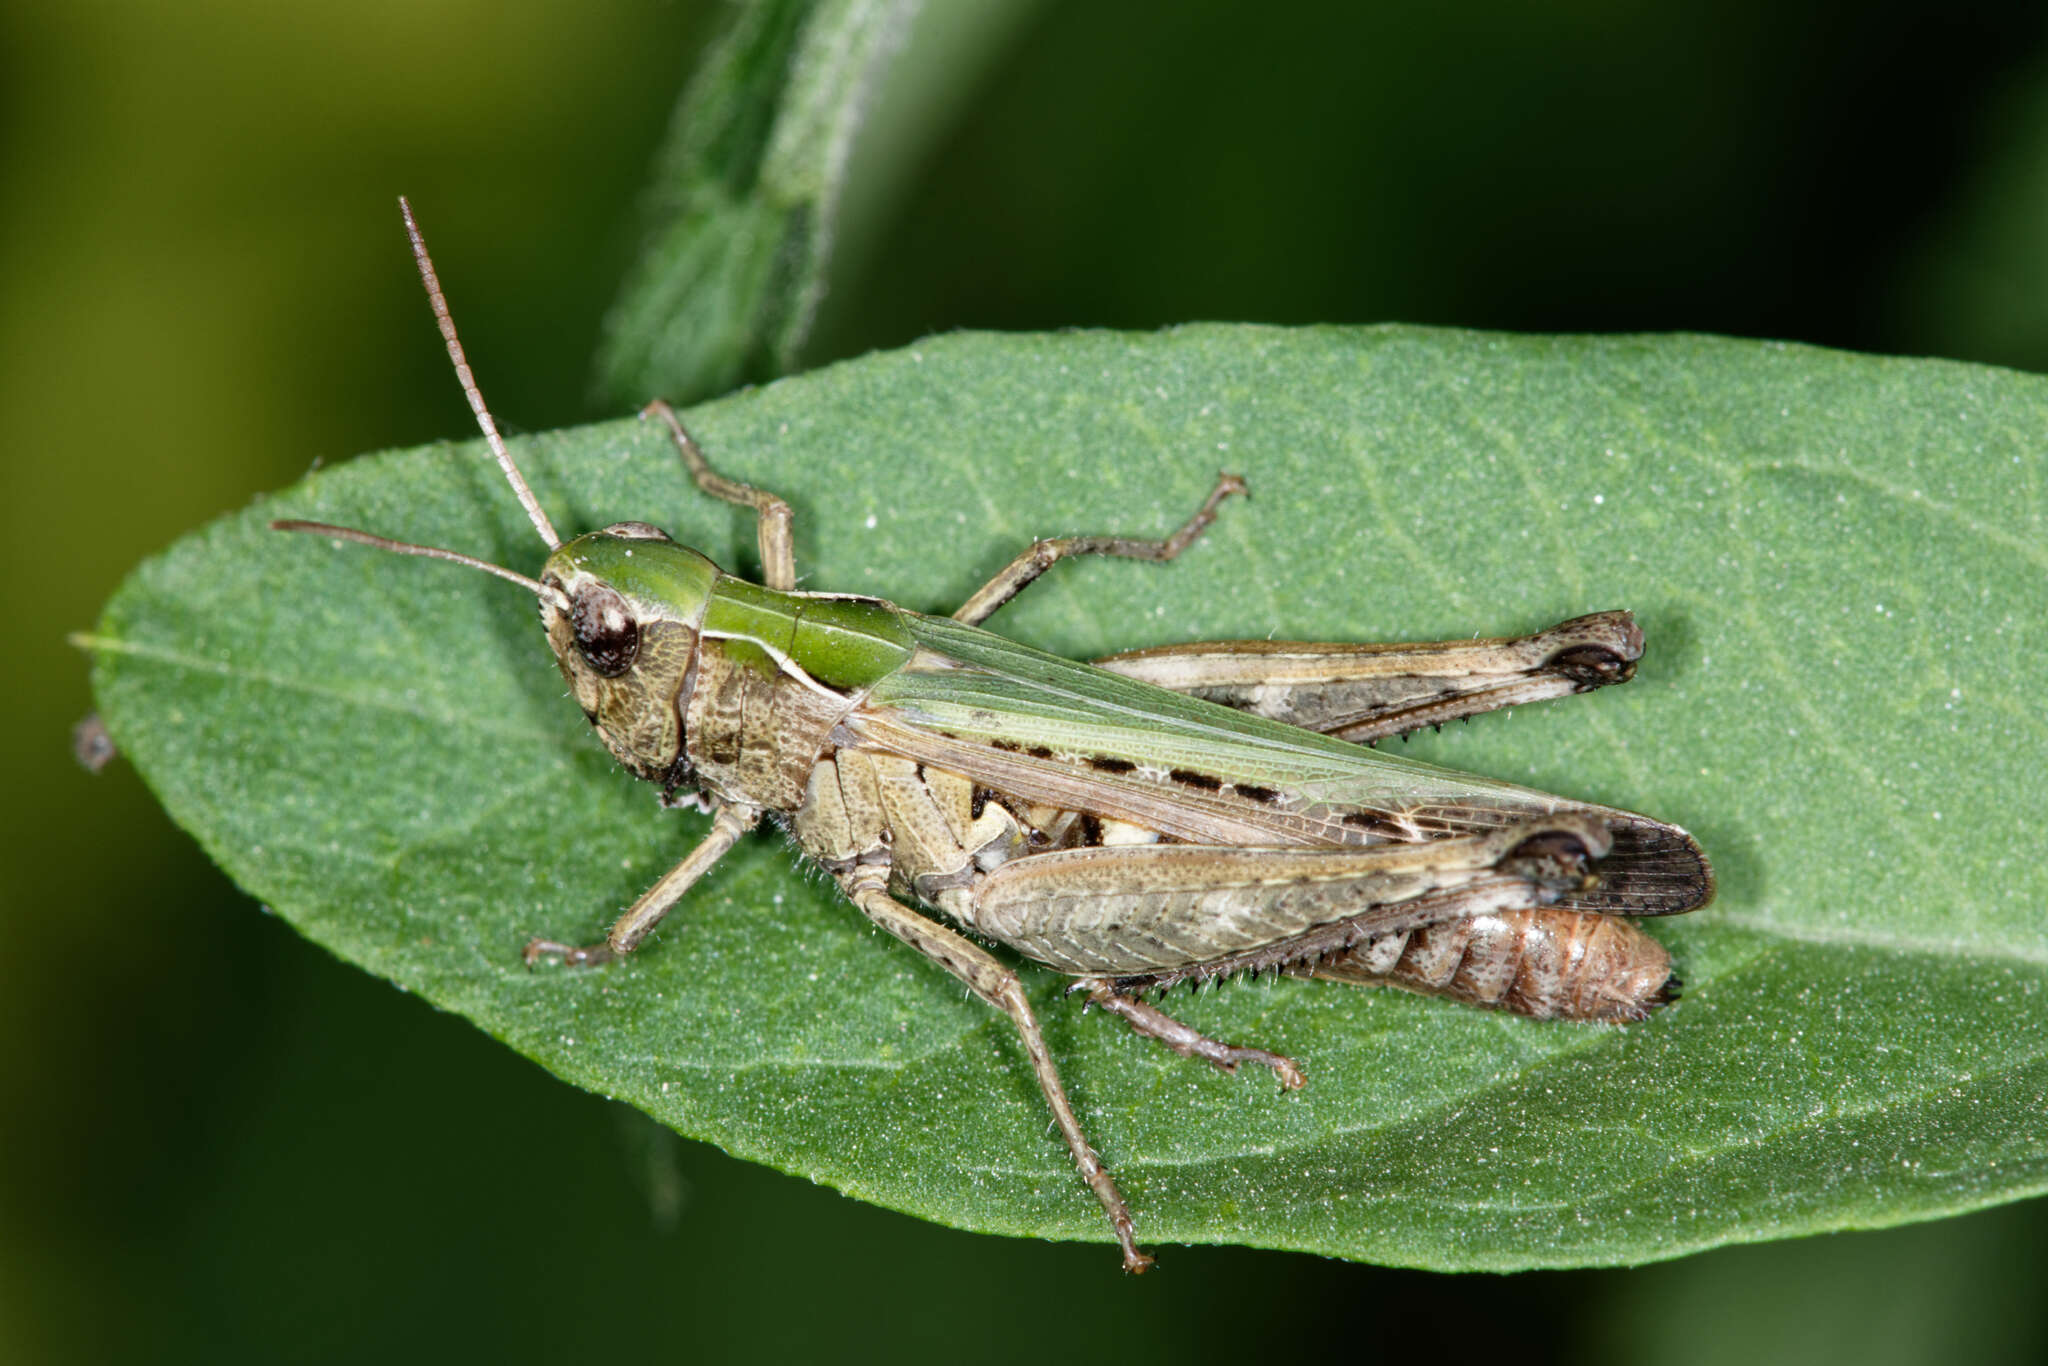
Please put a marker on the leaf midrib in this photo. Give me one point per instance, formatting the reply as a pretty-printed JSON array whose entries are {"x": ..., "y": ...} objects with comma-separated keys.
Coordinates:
[{"x": 473, "y": 719}]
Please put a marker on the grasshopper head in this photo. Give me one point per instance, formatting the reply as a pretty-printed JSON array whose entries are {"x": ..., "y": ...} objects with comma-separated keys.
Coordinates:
[
  {"x": 621, "y": 613},
  {"x": 621, "y": 605}
]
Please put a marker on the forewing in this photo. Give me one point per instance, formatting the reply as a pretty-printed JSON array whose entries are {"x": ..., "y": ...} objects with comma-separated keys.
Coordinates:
[{"x": 1049, "y": 730}]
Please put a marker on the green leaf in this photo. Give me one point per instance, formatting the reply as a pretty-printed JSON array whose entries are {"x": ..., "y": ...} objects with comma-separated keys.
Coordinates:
[
  {"x": 1839, "y": 561},
  {"x": 744, "y": 199}
]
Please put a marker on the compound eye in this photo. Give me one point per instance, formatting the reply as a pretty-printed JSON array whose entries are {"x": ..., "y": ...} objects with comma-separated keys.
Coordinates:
[{"x": 605, "y": 630}]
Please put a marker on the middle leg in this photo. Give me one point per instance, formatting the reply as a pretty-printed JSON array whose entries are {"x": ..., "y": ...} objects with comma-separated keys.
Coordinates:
[
  {"x": 1043, "y": 555},
  {"x": 1154, "y": 1023}
]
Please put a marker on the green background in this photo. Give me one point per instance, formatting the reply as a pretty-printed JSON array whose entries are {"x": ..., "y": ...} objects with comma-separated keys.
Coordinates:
[{"x": 225, "y": 1145}]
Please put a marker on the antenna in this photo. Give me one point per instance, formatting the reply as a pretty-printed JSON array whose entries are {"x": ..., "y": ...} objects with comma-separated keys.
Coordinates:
[
  {"x": 470, "y": 391},
  {"x": 432, "y": 552}
]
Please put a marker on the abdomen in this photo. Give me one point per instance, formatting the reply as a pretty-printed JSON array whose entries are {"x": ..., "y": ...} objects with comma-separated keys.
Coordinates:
[{"x": 1546, "y": 963}]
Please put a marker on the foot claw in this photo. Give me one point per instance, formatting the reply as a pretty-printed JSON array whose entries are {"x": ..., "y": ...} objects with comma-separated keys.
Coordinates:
[
  {"x": 572, "y": 955},
  {"x": 1290, "y": 1075}
]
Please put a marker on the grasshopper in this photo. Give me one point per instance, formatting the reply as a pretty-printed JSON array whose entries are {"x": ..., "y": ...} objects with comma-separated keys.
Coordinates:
[{"x": 1169, "y": 815}]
